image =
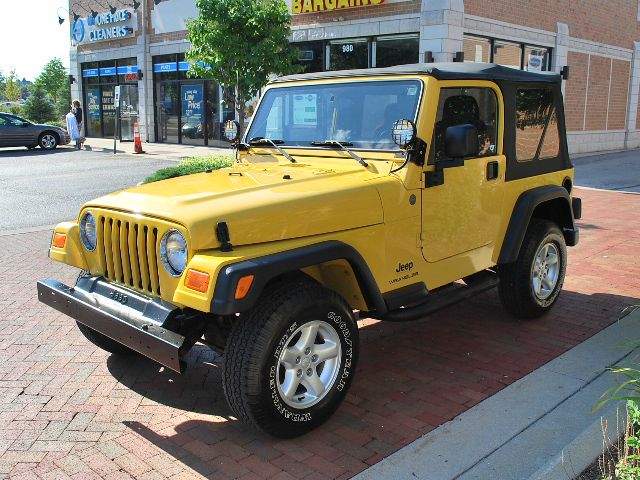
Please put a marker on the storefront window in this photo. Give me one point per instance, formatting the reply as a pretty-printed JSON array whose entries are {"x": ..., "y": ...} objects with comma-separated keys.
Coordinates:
[
  {"x": 349, "y": 54},
  {"x": 477, "y": 49},
  {"x": 193, "y": 118},
  {"x": 536, "y": 59},
  {"x": 99, "y": 81},
  {"x": 93, "y": 111},
  {"x": 188, "y": 110},
  {"x": 311, "y": 56},
  {"x": 396, "y": 50},
  {"x": 507, "y": 54}
]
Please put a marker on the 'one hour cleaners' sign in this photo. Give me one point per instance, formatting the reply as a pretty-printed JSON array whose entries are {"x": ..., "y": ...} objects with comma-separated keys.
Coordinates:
[
  {"x": 314, "y": 6},
  {"x": 104, "y": 26}
]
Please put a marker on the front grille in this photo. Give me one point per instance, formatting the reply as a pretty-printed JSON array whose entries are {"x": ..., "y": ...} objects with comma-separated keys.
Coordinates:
[{"x": 127, "y": 252}]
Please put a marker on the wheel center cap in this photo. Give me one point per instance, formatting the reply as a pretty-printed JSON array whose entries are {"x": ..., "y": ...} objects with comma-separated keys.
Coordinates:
[{"x": 306, "y": 362}]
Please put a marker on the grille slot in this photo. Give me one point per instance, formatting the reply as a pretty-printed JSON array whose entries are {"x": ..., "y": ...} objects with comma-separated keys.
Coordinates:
[{"x": 128, "y": 253}]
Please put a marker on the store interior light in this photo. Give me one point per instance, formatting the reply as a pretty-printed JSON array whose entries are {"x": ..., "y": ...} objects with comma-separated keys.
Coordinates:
[
  {"x": 76, "y": 17},
  {"x": 136, "y": 5},
  {"x": 112, "y": 9},
  {"x": 60, "y": 20},
  {"x": 94, "y": 14}
]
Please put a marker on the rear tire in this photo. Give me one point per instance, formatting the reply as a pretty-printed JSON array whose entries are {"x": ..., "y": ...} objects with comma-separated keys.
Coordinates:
[
  {"x": 104, "y": 342},
  {"x": 530, "y": 286},
  {"x": 290, "y": 360},
  {"x": 48, "y": 141}
]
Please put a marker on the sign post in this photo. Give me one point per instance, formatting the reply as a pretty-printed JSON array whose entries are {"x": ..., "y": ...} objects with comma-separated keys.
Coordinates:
[{"x": 116, "y": 104}]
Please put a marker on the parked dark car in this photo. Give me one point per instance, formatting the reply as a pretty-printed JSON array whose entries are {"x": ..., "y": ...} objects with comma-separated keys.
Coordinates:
[{"x": 18, "y": 132}]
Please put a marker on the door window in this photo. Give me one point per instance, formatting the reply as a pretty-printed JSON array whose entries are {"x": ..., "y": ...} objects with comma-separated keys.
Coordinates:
[
  {"x": 459, "y": 106},
  {"x": 537, "y": 127}
]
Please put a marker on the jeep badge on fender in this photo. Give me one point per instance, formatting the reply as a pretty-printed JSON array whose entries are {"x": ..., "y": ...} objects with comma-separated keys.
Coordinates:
[{"x": 394, "y": 192}]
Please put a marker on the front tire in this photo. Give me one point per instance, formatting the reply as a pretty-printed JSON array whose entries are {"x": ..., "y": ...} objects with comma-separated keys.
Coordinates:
[
  {"x": 290, "y": 361},
  {"x": 48, "y": 141},
  {"x": 530, "y": 286},
  {"x": 103, "y": 342}
]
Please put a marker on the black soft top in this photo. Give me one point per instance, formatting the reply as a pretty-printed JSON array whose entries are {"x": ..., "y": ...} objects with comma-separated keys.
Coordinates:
[{"x": 440, "y": 71}]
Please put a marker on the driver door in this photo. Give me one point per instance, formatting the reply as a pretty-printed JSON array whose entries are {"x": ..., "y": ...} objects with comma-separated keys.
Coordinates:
[
  {"x": 461, "y": 216},
  {"x": 16, "y": 132}
]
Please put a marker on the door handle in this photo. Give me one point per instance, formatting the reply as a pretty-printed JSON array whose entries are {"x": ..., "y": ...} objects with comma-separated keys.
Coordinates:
[{"x": 493, "y": 169}]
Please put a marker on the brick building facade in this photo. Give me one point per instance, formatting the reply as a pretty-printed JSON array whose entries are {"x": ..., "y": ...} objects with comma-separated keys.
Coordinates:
[{"x": 600, "y": 42}]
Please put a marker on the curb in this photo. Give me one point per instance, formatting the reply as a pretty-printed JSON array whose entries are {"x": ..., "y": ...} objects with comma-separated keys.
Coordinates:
[
  {"x": 539, "y": 427},
  {"x": 22, "y": 231}
]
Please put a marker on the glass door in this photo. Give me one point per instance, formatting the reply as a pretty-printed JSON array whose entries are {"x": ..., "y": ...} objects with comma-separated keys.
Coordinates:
[
  {"x": 348, "y": 54},
  {"x": 128, "y": 111},
  {"x": 168, "y": 112},
  {"x": 108, "y": 111}
]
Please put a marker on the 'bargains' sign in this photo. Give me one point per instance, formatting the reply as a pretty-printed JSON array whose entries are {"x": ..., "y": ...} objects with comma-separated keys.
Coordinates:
[{"x": 314, "y": 6}]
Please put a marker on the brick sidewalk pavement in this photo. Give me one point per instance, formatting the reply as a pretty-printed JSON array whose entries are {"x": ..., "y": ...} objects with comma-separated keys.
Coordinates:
[{"x": 69, "y": 410}]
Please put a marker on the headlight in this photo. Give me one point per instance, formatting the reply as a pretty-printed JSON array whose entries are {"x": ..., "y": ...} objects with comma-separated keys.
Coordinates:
[
  {"x": 88, "y": 231},
  {"x": 173, "y": 252}
]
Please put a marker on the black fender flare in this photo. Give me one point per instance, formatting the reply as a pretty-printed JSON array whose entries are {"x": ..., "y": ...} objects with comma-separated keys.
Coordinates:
[
  {"x": 268, "y": 267},
  {"x": 523, "y": 212}
]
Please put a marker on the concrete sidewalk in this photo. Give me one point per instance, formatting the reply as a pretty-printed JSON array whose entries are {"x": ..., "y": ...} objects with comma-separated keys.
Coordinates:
[
  {"x": 540, "y": 427},
  {"x": 165, "y": 151}
]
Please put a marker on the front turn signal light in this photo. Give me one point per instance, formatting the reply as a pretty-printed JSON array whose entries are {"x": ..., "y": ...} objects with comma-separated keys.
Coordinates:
[
  {"x": 196, "y": 280},
  {"x": 244, "y": 285},
  {"x": 59, "y": 240}
]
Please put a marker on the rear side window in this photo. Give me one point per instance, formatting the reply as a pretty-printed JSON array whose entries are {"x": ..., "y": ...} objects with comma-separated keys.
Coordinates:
[{"x": 537, "y": 126}]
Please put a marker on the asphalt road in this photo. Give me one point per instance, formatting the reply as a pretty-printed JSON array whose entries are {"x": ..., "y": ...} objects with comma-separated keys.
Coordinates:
[
  {"x": 40, "y": 188},
  {"x": 618, "y": 171}
]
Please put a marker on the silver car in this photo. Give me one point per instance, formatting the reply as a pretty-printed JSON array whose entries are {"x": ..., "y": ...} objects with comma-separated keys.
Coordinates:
[{"x": 18, "y": 132}]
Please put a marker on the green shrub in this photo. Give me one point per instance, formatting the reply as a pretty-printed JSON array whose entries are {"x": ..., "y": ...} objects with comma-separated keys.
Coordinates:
[
  {"x": 58, "y": 123},
  {"x": 190, "y": 166}
]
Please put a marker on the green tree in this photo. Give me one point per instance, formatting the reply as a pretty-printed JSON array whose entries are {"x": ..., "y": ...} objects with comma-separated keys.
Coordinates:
[
  {"x": 239, "y": 44},
  {"x": 53, "y": 77},
  {"x": 64, "y": 101},
  {"x": 38, "y": 107},
  {"x": 3, "y": 82},
  {"x": 12, "y": 89}
]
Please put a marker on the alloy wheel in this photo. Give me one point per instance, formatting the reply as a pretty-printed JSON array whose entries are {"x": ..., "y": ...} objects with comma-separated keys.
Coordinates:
[{"x": 308, "y": 364}]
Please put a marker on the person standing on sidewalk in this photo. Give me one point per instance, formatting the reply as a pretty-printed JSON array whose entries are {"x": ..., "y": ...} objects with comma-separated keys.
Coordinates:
[
  {"x": 77, "y": 111},
  {"x": 72, "y": 128}
]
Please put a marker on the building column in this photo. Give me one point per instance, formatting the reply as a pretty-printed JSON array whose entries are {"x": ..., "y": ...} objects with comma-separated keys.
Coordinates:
[
  {"x": 632, "y": 137},
  {"x": 75, "y": 70},
  {"x": 441, "y": 28},
  {"x": 146, "y": 111},
  {"x": 561, "y": 51}
]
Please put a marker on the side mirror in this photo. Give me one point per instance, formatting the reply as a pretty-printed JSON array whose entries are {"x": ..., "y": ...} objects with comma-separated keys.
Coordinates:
[
  {"x": 403, "y": 133},
  {"x": 25, "y": 124},
  {"x": 461, "y": 141},
  {"x": 232, "y": 130}
]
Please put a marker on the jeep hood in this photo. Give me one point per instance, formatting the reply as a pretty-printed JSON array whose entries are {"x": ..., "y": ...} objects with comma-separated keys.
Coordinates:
[{"x": 259, "y": 203}]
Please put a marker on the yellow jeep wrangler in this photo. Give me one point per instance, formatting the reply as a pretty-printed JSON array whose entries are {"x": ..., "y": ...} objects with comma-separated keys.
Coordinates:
[{"x": 392, "y": 192}]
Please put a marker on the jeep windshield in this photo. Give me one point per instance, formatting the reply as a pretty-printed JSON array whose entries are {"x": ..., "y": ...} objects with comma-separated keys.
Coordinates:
[{"x": 357, "y": 114}]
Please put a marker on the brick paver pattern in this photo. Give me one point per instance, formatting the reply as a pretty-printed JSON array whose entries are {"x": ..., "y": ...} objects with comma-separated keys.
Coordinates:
[{"x": 70, "y": 410}]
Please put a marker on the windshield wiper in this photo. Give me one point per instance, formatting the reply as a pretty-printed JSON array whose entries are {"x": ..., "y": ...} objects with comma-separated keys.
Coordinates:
[
  {"x": 343, "y": 146},
  {"x": 256, "y": 141}
]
